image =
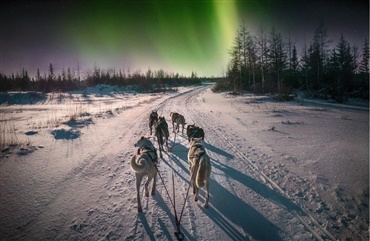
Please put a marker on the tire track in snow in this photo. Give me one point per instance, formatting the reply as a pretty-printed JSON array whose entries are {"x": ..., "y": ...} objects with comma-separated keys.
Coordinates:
[
  {"x": 303, "y": 215},
  {"x": 224, "y": 219},
  {"x": 187, "y": 103},
  {"x": 306, "y": 221}
]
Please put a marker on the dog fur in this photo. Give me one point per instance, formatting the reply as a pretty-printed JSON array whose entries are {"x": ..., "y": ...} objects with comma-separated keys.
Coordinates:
[
  {"x": 194, "y": 131},
  {"x": 145, "y": 165},
  {"x": 162, "y": 134},
  {"x": 200, "y": 168},
  {"x": 153, "y": 120},
  {"x": 177, "y": 119}
]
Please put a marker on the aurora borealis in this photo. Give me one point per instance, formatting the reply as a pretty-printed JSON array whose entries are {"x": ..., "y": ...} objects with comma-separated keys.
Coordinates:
[
  {"x": 177, "y": 36},
  {"x": 169, "y": 35}
]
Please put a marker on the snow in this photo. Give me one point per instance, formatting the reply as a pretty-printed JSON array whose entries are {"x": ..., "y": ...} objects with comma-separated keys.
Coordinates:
[{"x": 295, "y": 170}]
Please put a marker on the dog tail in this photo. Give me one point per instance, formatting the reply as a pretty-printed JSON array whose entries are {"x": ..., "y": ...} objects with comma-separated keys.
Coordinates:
[
  {"x": 202, "y": 172},
  {"x": 138, "y": 168}
]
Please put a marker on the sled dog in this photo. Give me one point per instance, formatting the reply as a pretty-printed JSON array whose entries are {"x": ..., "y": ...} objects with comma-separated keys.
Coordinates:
[
  {"x": 200, "y": 168},
  {"x": 194, "y": 131},
  {"x": 144, "y": 165},
  {"x": 153, "y": 119},
  {"x": 177, "y": 119},
  {"x": 162, "y": 134}
]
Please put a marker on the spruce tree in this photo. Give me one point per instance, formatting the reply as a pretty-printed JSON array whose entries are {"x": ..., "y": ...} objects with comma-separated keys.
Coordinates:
[
  {"x": 364, "y": 65},
  {"x": 277, "y": 56}
]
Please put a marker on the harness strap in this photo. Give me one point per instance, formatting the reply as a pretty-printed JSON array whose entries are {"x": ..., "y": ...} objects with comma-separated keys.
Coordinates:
[
  {"x": 178, "y": 234},
  {"x": 198, "y": 155},
  {"x": 147, "y": 150}
]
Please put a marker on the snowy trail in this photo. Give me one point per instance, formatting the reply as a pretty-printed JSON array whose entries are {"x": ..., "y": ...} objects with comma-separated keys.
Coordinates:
[
  {"x": 226, "y": 222},
  {"x": 84, "y": 189},
  {"x": 230, "y": 213}
]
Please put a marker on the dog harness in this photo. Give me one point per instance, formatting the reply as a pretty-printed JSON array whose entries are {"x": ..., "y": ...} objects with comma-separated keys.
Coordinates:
[
  {"x": 201, "y": 153},
  {"x": 151, "y": 153},
  {"x": 195, "y": 131}
]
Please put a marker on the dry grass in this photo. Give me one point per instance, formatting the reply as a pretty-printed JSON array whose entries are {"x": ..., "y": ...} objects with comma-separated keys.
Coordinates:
[
  {"x": 76, "y": 110},
  {"x": 8, "y": 135}
]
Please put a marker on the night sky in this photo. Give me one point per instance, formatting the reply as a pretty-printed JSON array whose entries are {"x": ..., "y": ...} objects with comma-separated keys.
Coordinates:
[{"x": 177, "y": 36}]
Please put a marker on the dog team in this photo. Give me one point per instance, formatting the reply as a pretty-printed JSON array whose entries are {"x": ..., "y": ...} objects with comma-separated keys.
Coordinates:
[{"x": 145, "y": 164}]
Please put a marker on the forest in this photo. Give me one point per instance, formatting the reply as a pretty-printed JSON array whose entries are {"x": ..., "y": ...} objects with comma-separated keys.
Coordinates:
[
  {"x": 72, "y": 79},
  {"x": 267, "y": 63}
]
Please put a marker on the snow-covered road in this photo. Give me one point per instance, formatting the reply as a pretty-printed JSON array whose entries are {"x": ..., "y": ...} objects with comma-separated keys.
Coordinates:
[{"x": 273, "y": 176}]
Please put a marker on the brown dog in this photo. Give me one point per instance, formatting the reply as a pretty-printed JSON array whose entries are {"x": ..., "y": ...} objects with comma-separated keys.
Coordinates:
[
  {"x": 162, "y": 134},
  {"x": 153, "y": 119},
  {"x": 177, "y": 119},
  {"x": 200, "y": 168}
]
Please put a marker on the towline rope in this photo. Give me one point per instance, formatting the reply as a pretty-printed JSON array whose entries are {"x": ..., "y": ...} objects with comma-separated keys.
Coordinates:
[{"x": 178, "y": 233}]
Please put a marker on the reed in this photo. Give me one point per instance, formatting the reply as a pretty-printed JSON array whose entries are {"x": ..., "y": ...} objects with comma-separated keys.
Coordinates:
[{"x": 8, "y": 134}]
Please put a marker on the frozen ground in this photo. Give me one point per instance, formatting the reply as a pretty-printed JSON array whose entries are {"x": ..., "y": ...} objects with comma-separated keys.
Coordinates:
[{"x": 280, "y": 171}]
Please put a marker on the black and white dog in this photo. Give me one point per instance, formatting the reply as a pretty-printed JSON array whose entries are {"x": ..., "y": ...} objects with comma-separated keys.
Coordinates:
[{"x": 194, "y": 131}]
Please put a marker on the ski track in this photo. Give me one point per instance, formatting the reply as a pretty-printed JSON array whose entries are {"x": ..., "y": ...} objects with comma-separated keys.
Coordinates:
[
  {"x": 266, "y": 207},
  {"x": 300, "y": 214}
]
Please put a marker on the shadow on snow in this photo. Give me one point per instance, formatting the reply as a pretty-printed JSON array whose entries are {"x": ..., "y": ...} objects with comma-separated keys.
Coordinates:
[{"x": 226, "y": 210}]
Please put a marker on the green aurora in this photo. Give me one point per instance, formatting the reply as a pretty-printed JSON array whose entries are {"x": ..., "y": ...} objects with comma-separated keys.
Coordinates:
[
  {"x": 181, "y": 36},
  {"x": 178, "y": 36}
]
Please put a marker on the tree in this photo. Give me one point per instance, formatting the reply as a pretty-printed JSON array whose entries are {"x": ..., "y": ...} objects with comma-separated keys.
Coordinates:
[
  {"x": 345, "y": 62},
  {"x": 318, "y": 55},
  {"x": 24, "y": 80},
  {"x": 69, "y": 75},
  {"x": 244, "y": 58},
  {"x": 364, "y": 64},
  {"x": 341, "y": 69},
  {"x": 148, "y": 74},
  {"x": 252, "y": 59},
  {"x": 277, "y": 56},
  {"x": 38, "y": 76},
  {"x": 50, "y": 79},
  {"x": 294, "y": 68},
  {"x": 355, "y": 57},
  {"x": 64, "y": 76},
  {"x": 51, "y": 74},
  {"x": 263, "y": 52},
  {"x": 305, "y": 65},
  {"x": 194, "y": 75},
  {"x": 235, "y": 64}
]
